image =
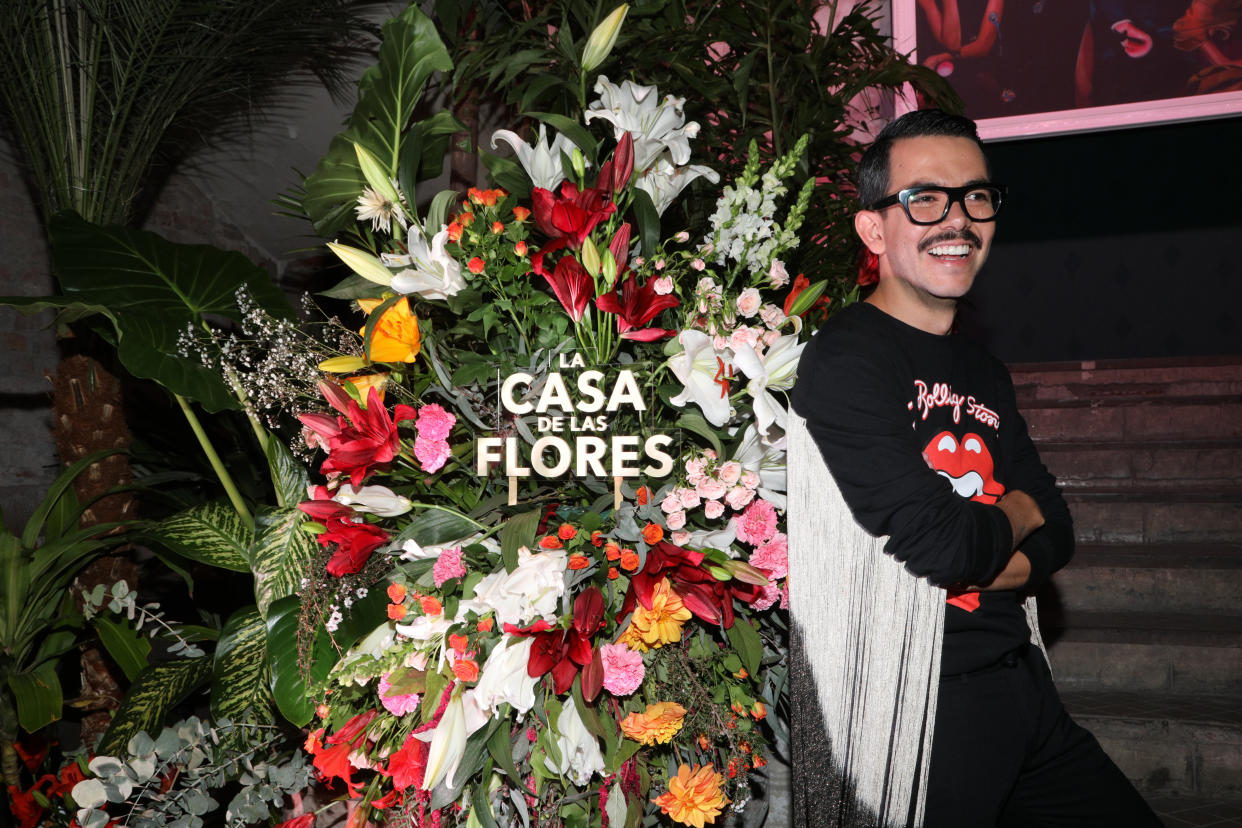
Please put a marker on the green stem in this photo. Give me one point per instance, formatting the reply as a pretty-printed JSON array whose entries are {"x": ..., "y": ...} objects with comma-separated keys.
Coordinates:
[{"x": 217, "y": 465}]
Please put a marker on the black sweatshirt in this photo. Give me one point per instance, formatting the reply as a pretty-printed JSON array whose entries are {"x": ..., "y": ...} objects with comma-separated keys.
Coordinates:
[{"x": 922, "y": 434}]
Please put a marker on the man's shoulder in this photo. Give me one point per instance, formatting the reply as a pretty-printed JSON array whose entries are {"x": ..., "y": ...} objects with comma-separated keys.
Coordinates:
[{"x": 852, "y": 330}]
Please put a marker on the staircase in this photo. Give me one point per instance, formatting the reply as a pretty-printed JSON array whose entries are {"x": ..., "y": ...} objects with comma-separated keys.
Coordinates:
[{"x": 1145, "y": 625}]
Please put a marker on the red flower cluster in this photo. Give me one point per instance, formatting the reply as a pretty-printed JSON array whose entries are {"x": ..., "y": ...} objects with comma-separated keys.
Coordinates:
[
  {"x": 26, "y": 808},
  {"x": 362, "y": 440},
  {"x": 705, "y": 596},
  {"x": 564, "y": 652}
]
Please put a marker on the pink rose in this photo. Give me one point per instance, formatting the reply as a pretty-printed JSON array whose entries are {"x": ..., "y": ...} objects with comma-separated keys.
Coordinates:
[
  {"x": 750, "y": 479},
  {"x": 663, "y": 286},
  {"x": 748, "y": 302},
  {"x": 710, "y": 488},
  {"x": 688, "y": 497},
  {"x": 695, "y": 469},
  {"x": 738, "y": 497},
  {"x": 675, "y": 521},
  {"x": 777, "y": 273},
  {"x": 743, "y": 337},
  {"x": 671, "y": 503},
  {"x": 623, "y": 669},
  {"x": 757, "y": 524},
  {"x": 448, "y": 566},
  {"x": 730, "y": 472},
  {"x": 772, "y": 316},
  {"x": 698, "y": 264},
  {"x": 681, "y": 538},
  {"x": 713, "y": 509}
]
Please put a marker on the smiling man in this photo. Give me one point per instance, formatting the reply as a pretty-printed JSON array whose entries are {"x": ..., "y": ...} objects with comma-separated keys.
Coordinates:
[{"x": 920, "y": 432}]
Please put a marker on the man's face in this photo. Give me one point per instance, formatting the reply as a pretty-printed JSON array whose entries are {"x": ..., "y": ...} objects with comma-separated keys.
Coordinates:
[{"x": 927, "y": 267}]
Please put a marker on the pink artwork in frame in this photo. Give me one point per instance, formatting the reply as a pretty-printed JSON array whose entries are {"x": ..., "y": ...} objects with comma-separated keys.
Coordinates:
[{"x": 1047, "y": 67}]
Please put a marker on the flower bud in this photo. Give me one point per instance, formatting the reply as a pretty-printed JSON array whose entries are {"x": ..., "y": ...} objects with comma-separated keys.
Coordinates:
[
  {"x": 342, "y": 364},
  {"x": 375, "y": 174},
  {"x": 590, "y": 257},
  {"x": 362, "y": 263},
  {"x": 601, "y": 41}
]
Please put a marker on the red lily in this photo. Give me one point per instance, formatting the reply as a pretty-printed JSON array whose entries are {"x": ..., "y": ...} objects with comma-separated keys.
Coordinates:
[
  {"x": 333, "y": 762},
  {"x": 354, "y": 544},
  {"x": 323, "y": 507},
  {"x": 574, "y": 215},
  {"x": 706, "y": 597},
  {"x": 572, "y": 285},
  {"x": 635, "y": 306},
  {"x": 367, "y": 440},
  {"x": 564, "y": 652},
  {"x": 615, "y": 173},
  {"x": 407, "y": 765}
]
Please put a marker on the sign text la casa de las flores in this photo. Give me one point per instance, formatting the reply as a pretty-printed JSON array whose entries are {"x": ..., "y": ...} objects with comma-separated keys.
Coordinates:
[{"x": 575, "y": 413}]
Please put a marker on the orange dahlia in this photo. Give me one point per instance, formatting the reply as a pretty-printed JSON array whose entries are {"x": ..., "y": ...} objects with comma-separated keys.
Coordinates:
[
  {"x": 661, "y": 624},
  {"x": 694, "y": 796},
  {"x": 658, "y": 723}
]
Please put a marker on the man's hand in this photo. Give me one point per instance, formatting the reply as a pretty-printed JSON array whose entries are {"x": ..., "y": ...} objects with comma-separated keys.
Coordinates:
[
  {"x": 1023, "y": 513},
  {"x": 1014, "y": 576}
]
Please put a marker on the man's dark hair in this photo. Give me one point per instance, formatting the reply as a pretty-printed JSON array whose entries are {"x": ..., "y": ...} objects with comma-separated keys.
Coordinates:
[{"x": 873, "y": 168}]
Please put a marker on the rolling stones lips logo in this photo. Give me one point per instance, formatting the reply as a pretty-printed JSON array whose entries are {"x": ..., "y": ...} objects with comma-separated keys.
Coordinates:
[{"x": 969, "y": 468}]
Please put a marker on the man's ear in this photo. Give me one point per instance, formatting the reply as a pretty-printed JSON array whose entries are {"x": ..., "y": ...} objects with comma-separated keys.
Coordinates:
[{"x": 870, "y": 230}]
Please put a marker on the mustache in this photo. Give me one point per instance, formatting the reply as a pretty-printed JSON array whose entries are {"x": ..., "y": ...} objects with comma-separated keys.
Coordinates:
[{"x": 965, "y": 234}]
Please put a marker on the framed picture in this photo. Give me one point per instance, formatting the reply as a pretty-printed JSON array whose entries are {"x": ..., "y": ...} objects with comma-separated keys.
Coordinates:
[{"x": 1041, "y": 67}]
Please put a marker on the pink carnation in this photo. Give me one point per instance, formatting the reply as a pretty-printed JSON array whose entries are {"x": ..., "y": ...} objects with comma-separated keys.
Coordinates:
[
  {"x": 757, "y": 524},
  {"x": 773, "y": 556},
  {"x": 448, "y": 566},
  {"x": 738, "y": 497},
  {"x": 623, "y": 669},
  {"x": 434, "y": 423},
  {"x": 713, "y": 509},
  {"x": 785, "y": 596},
  {"x": 398, "y": 704},
  {"x": 676, "y": 520},
  {"x": 767, "y": 598},
  {"x": 431, "y": 454}
]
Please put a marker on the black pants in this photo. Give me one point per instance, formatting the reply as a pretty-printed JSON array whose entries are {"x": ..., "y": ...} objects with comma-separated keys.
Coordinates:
[{"x": 1007, "y": 755}]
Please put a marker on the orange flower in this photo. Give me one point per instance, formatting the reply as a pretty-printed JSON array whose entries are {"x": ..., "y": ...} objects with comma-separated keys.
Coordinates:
[
  {"x": 597, "y": 539},
  {"x": 497, "y": 228},
  {"x": 363, "y": 383},
  {"x": 475, "y": 195},
  {"x": 758, "y": 761},
  {"x": 458, "y": 643},
  {"x": 694, "y": 796},
  {"x": 454, "y": 231},
  {"x": 566, "y": 531},
  {"x": 476, "y": 265},
  {"x": 612, "y": 551},
  {"x": 396, "y": 593},
  {"x": 660, "y": 722},
  {"x": 466, "y": 669},
  {"x": 430, "y": 605},
  {"x": 322, "y": 711},
  {"x": 613, "y": 574},
  {"x": 520, "y": 214},
  {"x": 466, "y": 219},
  {"x": 653, "y": 533},
  {"x": 396, "y": 611},
  {"x": 485, "y": 624},
  {"x": 395, "y": 337},
  {"x": 643, "y": 495},
  {"x": 759, "y": 710},
  {"x": 629, "y": 560},
  {"x": 661, "y": 624},
  {"x": 314, "y": 741},
  {"x": 579, "y": 561},
  {"x": 520, "y": 248},
  {"x": 704, "y": 742},
  {"x": 732, "y": 768},
  {"x": 551, "y": 542}
]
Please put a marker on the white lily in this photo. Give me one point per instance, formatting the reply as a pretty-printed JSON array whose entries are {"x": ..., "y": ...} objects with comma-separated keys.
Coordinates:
[
  {"x": 505, "y": 678},
  {"x": 776, "y": 370},
  {"x": 698, "y": 366},
  {"x": 580, "y": 754},
  {"x": 542, "y": 162},
  {"x": 767, "y": 460},
  {"x": 715, "y": 539},
  {"x": 433, "y": 273},
  {"x": 448, "y": 744},
  {"x": 533, "y": 590},
  {"x": 664, "y": 182},
  {"x": 655, "y": 125},
  {"x": 376, "y": 500}
]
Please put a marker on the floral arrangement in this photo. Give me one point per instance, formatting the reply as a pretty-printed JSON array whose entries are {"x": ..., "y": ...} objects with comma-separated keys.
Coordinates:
[{"x": 548, "y": 502}]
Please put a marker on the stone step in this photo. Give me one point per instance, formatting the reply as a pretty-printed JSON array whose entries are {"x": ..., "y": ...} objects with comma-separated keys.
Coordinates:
[
  {"x": 1174, "y": 653},
  {"x": 1152, "y": 514},
  {"x": 1136, "y": 421},
  {"x": 1168, "y": 745},
  {"x": 1169, "y": 462},
  {"x": 1175, "y": 578},
  {"x": 1102, "y": 381}
]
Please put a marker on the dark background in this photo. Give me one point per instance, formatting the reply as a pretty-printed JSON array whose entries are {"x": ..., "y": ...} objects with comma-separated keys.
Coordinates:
[{"x": 1119, "y": 244}]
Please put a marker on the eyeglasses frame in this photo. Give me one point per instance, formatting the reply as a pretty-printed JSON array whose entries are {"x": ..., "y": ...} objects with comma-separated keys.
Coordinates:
[{"x": 956, "y": 195}]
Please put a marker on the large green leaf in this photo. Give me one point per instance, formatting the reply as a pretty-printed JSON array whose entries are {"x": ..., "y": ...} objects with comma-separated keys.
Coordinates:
[
  {"x": 438, "y": 525},
  {"x": 289, "y": 477},
  {"x": 239, "y": 679},
  {"x": 213, "y": 534},
  {"x": 38, "y": 696},
  {"x": 387, "y": 96},
  {"x": 153, "y": 290},
  {"x": 128, "y": 647},
  {"x": 156, "y": 692},
  {"x": 288, "y": 680},
  {"x": 518, "y": 531},
  {"x": 281, "y": 555}
]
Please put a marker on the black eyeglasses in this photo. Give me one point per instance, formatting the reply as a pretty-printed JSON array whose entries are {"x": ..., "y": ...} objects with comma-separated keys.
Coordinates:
[{"x": 930, "y": 205}]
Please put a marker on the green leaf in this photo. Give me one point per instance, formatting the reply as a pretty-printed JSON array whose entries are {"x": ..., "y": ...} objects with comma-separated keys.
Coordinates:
[
  {"x": 37, "y": 696},
  {"x": 159, "y": 689},
  {"x": 154, "y": 290},
  {"x": 437, "y": 212},
  {"x": 387, "y": 96},
  {"x": 480, "y": 808},
  {"x": 281, "y": 555},
  {"x": 239, "y": 679},
  {"x": 519, "y": 531},
  {"x": 746, "y": 643},
  {"x": 438, "y": 525},
  {"x": 289, "y": 477},
  {"x": 501, "y": 750},
  {"x": 422, "y": 153},
  {"x": 648, "y": 219},
  {"x": 128, "y": 647},
  {"x": 352, "y": 286},
  {"x": 507, "y": 174},
  {"x": 572, "y": 130},
  {"x": 55, "y": 492},
  {"x": 694, "y": 422},
  {"x": 288, "y": 682},
  {"x": 213, "y": 534}
]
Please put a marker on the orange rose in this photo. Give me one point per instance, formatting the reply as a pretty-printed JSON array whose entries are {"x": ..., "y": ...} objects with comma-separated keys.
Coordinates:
[
  {"x": 520, "y": 248},
  {"x": 497, "y": 228},
  {"x": 476, "y": 265},
  {"x": 579, "y": 561},
  {"x": 613, "y": 574},
  {"x": 458, "y": 643},
  {"x": 520, "y": 214},
  {"x": 653, "y": 533},
  {"x": 485, "y": 624},
  {"x": 597, "y": 539},
  {"x": 612, "y": 551},
  {"x": 430, "y": 605},
  {"x": 643, "y": 495},
  {"x": 396, "y": 593},
  {"x": 466, "y": 669},
  {"x": 551, "y": 542},
  {"x": 454, "y": 231},
  {"x": 566, "y": 532},
  {"x": 396, "y": 611},
  {"x": 629, "y": 560}
]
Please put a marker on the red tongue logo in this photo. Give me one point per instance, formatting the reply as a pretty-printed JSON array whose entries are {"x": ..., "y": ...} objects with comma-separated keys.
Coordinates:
[{"x": 969, "y": 468}]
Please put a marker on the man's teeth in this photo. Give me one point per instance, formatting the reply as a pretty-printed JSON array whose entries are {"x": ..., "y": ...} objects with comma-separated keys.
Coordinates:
[{"x": 950, "y": 250}]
